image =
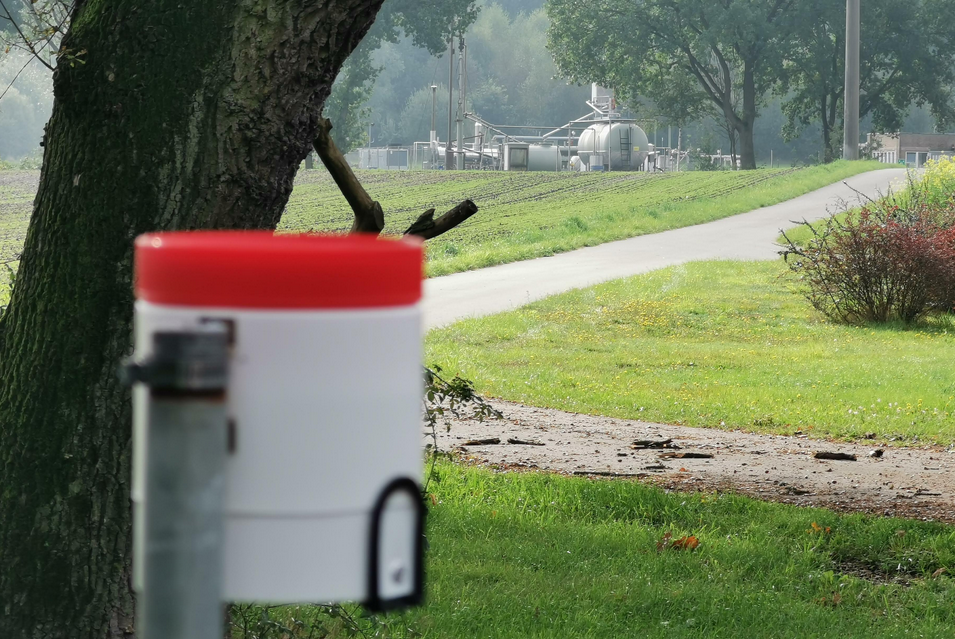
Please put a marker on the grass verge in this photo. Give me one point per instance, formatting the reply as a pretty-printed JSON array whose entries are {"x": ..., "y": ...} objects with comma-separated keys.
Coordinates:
[
  {"x": 527, "y": 215},
  {"x": 538, "y": 555},
  {"x": 714, "y": 344}
]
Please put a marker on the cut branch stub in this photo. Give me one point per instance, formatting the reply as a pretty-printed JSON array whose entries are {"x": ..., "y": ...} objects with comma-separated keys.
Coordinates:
[{"x": 427, "y": 227}]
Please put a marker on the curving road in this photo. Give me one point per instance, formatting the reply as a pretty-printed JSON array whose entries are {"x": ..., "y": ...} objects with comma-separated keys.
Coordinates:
[{"x": 747, "y": 236}]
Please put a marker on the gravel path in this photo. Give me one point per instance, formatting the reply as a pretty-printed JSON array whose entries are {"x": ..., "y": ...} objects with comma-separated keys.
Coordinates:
[{"x": 905, "y": 482}]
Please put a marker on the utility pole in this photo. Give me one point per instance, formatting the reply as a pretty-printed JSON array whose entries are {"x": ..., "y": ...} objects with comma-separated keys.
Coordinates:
[
  {"x": 448, "y": 153},
  {"x": 459, "y": 144},
  {"x": 850, "y": 144},
  {"x": 434, "y": 133}
]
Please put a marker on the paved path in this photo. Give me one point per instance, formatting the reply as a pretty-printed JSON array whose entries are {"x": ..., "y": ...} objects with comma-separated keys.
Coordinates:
[{"x": 748, "y": 236}]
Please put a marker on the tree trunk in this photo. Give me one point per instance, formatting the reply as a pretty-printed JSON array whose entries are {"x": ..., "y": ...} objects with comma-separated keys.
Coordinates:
[
  {"x": 827, "y": 155},
  {"x": 748, "y": 119},
  {"x": 183, "y": 115}
]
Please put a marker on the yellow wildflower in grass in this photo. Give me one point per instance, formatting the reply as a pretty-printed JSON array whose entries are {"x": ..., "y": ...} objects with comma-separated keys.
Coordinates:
[{"x": 938, "y": 180}]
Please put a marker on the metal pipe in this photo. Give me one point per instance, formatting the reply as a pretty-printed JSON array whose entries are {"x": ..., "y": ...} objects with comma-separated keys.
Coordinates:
[
  {"x": 448, "y": 153},
  {"x": 459, "y": 119},
  {"x": 490, "y": 127},
  {"x": 850, "y": 143},
  {"x": 531, "y": 138},
  {"x": 182, "y": 446},
  {"x": 434, "y": 133}
]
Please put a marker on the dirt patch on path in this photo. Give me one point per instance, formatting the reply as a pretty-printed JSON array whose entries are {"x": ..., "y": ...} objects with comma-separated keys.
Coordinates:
[{"x": 903, "y": 482}]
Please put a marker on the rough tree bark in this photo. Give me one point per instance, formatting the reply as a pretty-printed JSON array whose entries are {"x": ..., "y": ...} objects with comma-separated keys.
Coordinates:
[{"x": 183, "y": 115}]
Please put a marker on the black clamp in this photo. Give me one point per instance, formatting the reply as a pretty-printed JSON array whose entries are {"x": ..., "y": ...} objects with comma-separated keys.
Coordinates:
[
  {"x": 374, "y": 602},
  {"x": 190, "y": 362}
]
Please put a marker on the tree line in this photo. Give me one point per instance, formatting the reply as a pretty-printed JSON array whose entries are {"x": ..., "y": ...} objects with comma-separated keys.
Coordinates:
[{"x": 690, "y": 58}]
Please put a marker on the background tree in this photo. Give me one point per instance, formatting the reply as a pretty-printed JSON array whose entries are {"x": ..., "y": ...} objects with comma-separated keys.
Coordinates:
[
  {"x": 907, "y": 57},
  {"x": 426, "y": 23},
  {"x": 641, "y": 48},
  {"x": 510, "y": 78},
  {"x": 178, "y": 116}
]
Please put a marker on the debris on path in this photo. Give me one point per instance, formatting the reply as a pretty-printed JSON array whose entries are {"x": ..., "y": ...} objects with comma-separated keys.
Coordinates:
[
  {"x": 821, "y": 454},
  {"x": 888, "y": 480}
]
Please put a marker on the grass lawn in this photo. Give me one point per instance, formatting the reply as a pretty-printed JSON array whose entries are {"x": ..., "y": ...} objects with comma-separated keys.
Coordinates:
[
  {"x": 526, "y": 215},
  {"x": 538, "y": 555},
  {"x": 715, "y": 344}
]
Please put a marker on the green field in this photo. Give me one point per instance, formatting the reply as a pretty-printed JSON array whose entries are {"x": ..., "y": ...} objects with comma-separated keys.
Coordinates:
[
  {"x": 522, "y": 215},
  {"x": 712, "y": 344},
  {"x": 539, "y": 555},
  {"x": 527, "y": 215}
]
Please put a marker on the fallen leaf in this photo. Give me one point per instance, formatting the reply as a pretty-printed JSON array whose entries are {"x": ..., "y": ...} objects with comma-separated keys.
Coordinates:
[
  {"x": 938, "y": 573},
  {"x": 686, "y": 543},
  {"x": 434, "y": 500}
]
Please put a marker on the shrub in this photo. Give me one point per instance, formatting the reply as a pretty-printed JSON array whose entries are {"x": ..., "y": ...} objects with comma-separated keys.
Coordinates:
[{"x": 892, "y": 260}]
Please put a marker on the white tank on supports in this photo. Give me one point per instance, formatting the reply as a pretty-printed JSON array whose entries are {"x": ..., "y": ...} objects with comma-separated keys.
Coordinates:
[
  {"x": 623, "y": 144},
  {"x": 543, "y": 158}
]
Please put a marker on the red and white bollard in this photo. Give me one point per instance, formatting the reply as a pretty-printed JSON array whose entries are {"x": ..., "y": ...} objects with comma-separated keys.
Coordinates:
[{"x": 322, "y": 407}]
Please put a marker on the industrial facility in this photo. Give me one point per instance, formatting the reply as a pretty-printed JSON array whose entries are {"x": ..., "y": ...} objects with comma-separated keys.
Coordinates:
[{"x": 602, "y": 140}]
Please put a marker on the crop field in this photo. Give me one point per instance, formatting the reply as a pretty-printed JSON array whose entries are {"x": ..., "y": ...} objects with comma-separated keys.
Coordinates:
[
  {"x": 522, "y": 215},
  {"x": 526, "y": 215}
]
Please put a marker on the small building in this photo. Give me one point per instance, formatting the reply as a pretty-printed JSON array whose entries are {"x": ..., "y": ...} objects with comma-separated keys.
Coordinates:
[{"x": 911, "y": 149}]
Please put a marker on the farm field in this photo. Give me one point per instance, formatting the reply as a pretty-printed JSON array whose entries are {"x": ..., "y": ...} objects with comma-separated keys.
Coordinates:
[
  {"x": 712, "y": 344},
  {"x": 541, "y": 555},
  {"x": 523, "y": 215},
  {"x": 527, "y": 215}
]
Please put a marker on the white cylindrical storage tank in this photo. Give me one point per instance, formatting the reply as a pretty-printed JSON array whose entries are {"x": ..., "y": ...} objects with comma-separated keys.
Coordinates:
[
  {"x": 323, "y": 400},
  {"x": 543, "y": 158},
  {"x": 624, "y": 145},
  {"x": 586, "y": 144}
]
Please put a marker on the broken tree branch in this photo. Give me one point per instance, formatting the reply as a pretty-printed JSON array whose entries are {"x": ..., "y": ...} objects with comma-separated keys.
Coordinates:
[
  {"x": 369, "y": 217},
  {"x": 426, "y": 227}
]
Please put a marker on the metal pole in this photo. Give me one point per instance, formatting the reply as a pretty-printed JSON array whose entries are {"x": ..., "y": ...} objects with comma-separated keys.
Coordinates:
[
  {"x": 609, "y": 135},
  {"x": 459, "y": 120},
  {"x": 433, "y": 145},
  {"x": 850, "y": 144},
  {"x": 180, "y": 485},
  {"x": 448, "y": 153},
  {"x": 679, "y": 145}
]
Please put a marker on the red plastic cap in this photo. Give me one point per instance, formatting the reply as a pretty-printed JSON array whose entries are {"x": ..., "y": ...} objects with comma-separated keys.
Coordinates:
[{"x": 256, "y": 269}]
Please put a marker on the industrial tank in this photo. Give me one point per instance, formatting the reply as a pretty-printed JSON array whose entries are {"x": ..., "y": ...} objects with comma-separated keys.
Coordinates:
[
  {"x": 626, "y": 143},
  {"x": 543, "y": 158}
]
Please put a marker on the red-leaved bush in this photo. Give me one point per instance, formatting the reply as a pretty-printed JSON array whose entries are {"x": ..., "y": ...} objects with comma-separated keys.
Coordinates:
[{"x": 882, "y": 263}]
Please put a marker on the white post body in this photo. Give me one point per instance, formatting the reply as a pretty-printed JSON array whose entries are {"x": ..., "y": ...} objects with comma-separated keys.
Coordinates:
[{"x": 325, "y": 412}]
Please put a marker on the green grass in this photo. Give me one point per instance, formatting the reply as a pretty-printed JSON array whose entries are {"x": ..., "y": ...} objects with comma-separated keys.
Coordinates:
[
  {"x": 527, "y": 215},
  {"x": 713, "y": 344},
  {"x": 538, "y": 555}
]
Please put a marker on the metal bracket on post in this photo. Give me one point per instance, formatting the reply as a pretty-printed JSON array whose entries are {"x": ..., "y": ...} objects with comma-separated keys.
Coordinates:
[{"x": 179, "y": 539}]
